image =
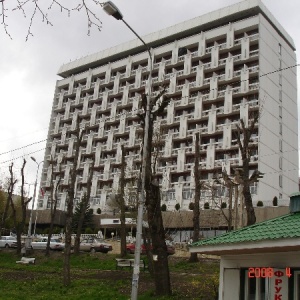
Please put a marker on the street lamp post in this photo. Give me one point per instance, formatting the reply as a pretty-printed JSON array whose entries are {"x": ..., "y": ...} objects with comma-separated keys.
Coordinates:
[
  {"x": 34, "y": 196},
  {"x": 112, "y": 10}
]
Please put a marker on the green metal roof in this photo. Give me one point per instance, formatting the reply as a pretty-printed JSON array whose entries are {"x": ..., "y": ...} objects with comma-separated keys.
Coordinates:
[{"x": 284, "y": 227}]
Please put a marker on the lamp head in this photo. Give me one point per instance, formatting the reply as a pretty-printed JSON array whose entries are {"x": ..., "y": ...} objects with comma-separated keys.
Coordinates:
[{"x": 112, "y": 10}]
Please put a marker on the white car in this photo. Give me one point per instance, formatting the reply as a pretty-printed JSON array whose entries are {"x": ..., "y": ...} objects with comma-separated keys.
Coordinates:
[
  {"x": 41, "y": 244},
  {"x": 8, "y": 242},
  {"x": 95, "y": 245}
]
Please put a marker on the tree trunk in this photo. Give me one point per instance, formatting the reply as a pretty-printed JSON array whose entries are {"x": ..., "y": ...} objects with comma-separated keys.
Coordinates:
[
  {"x": 68, "y": 240},
  {"x": 242, "y": 129},
  {"x": 196, "y": 210},
  {"x": 161, "y": 271},
  {"x": 52, "y": 210},
  {"x": 122, "y": 205},
  {"x": 86, "y": 200},
  {"x": 19, "y": 221},
  {"x": 159, "y": 248},
  {"x": 230, "y": 208},
  {"x": 51, "y": 228},
  {"x": 251, "y": 218},
  {"x": 69, "y": 213},
  {"x": 4, "y": 216}
]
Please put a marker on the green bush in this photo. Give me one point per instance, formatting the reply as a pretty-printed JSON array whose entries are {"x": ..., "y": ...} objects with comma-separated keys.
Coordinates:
[
  {"x": 206, "y": 205},
  {"x": 163, "y": 207},
  {"x": 223, "y": 205},
  {"x": 46, "y": 231},
  {"x": 275, "y": 201},
  {"x": 191, "y": 205},
  {"x": 89, "y": 230},
  {"x": 259, "y": 203},
  {"x": 99, "y": 211},
  {"x": 177, "y": 206}
]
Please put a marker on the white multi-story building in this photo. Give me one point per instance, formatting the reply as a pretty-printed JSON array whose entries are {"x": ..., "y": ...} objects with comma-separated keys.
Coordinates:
[{"x": 218, "y": 68}]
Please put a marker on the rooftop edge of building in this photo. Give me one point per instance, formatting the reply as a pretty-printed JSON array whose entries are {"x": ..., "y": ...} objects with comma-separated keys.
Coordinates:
[{"x": 217, "y": 18}]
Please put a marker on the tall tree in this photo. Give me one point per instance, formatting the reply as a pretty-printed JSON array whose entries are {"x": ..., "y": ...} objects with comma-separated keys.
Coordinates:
[
  {"x": 196, "y": 208},
  {"x": 122, "y": 204},
  {"x": 10, "y": 185},
  {"x": 85, "y": 206},
  {"x": 153, "y": 200},
  {"x": 244, "y": 133},
  {"x": 54, "y": 186},
  {"x": 78, "y": 132},
  {"x": 87, "y": 220},
  {"x": 19, "y": 208}
]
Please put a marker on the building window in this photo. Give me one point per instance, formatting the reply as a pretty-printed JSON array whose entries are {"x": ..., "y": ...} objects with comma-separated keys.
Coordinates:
[
  {"x": 280, "y": 111},
  {"x": 280, "y": 181},
  {"x": 280, "y": 163},
  {"x": 171, "y": 196},
  {"x": 280, "y": 128},
  {"x": 280, "y": 79},
  {"x": 279, "y": 48},
  {"x": 297, "y": 285},
  {"x": 280, "y": 145},
  {"x": 255, "y": 288},
  {"x": 280, "y": 95}
]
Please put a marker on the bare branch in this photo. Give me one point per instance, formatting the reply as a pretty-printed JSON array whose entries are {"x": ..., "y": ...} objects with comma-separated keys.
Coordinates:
[
  {"x": 23, "y": 6},
  {"x": 4, "y": 16},
  {"x": 62, "y": 8},
  {"x": 92, "y": 19}
]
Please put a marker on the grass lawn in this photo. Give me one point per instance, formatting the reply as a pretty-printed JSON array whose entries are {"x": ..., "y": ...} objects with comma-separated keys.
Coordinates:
[{"x": 94, "y": 277}]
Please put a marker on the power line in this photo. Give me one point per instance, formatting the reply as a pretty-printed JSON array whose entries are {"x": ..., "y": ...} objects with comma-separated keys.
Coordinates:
[
  {"x": 23, "y": 147},
  {"x": 3, "y": 162},
  {"x": 3, "y": 141}
]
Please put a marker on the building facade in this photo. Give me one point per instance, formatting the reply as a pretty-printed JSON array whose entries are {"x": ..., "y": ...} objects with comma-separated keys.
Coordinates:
[{"x": 218, "y": 68}]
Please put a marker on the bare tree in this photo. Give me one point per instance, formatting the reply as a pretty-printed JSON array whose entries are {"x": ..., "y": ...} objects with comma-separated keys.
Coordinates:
[
  {"x": 196, "y": 208},
  {"x": 243, "y": 136},
  {"x": 122, "y": 204},
  {"x": 70, "y": 205},
  {"x": 153, "y": 202},
  {"x": 118, "y": 200},
  {"x": 18, "y": 213},
  {"x": 230, "y": 184},
  {"x": 54, "y": 186},
  {"x": 85, "y": 202},
  {"x": 34, "y": 9},
  {"x": 10, "y": 184}
]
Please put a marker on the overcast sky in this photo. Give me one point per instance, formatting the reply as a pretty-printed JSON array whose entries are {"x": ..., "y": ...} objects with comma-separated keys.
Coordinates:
[{"x": 28, "y": 69}]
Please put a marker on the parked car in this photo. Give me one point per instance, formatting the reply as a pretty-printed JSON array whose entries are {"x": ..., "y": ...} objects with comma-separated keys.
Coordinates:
[
  {"x": 130, "y": 248},
  {"x": 93, "y": 244},
  {"x": 8, "y": 242},
  {"x": 41, "y": 244}
]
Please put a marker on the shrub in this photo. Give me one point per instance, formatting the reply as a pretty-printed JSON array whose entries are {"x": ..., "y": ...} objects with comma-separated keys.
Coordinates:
[
  {"x": 46, "y": 230},
  {"x": 89, "y": 230},
  {"x": 191, "y": 205},
  {"x": 275, "y": 201},
  {"x": 177, "y": 206},
  {"x": 259, "y": 203},
  {"x": 223, "y": 205},
  {"x": 163, "y": 207},
  {"x": 206, "y": 205},
  {"x": 99, "y": 211}
]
